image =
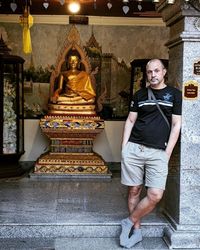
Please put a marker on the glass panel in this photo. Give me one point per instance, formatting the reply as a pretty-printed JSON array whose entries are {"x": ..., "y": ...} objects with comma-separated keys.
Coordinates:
[
  {"x": 21, "y": 100},
  {"x": 138, "y": 77},
  {"x": 21, "y": 110},
  {"x": 9, "y": 114},
  {"x": 21, "y": 136}
]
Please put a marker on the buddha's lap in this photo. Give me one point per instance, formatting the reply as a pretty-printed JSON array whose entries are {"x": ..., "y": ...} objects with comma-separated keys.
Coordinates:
[{"x": 74, "y": 99}]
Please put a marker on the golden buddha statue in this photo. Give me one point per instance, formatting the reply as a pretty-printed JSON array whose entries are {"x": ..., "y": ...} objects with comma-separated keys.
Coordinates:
[
  {"x": 74, "y": 86},
  {"x": 75, "y": 93}
]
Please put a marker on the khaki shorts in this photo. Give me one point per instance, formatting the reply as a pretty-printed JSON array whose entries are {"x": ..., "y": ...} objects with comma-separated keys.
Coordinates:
[{"x": 144, "y": 165}]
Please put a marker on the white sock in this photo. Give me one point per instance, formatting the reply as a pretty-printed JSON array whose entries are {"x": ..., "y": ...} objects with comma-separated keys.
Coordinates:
[
  {"x": 135, "y": 238},
  {"x": 126, "y": 228}
]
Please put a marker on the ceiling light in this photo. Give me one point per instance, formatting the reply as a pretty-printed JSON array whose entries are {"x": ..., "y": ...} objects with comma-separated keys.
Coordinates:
[
  {"x": 74, "y": 7},
  {"x": 171, "y": 1}
]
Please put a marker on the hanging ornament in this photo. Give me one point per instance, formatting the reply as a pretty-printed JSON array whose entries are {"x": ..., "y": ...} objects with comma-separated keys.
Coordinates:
[
  {"x": 46, "y": 4},
  {"x": 95, "y": 4},
  {"x": 13, "y": 6},
  {"x": 109, "y": 5},
  {"x": 26, "y": 20},
  {"x": 62, "y": 2},
  {"x": 139, "y": 7},
  {"x": 125, "y": 9}
]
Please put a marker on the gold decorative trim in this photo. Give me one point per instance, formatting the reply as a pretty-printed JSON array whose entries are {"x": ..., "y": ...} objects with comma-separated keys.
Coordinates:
[
  {"x": 88, "y": 133},
  {"x": 68, "y": 107},
  {"x": 74, "y": 139},
  {"x": 64, "y": 117},
  {"x": 66, "y": 125},
  {"x": 85, "y": 112},
  {"x": 57, "y": 169},
  {"x": 70, "y": 154},
  {"x": 71, "y": 164}
]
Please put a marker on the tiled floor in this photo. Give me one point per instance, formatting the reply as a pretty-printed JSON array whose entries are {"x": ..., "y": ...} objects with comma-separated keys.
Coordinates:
[{"x": 35, "y": 213}]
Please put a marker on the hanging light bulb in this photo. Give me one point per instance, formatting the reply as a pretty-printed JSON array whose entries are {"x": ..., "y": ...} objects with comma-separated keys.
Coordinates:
[
  {"x": 156, "y": 1},
  {"x": 74, "y": 7}
]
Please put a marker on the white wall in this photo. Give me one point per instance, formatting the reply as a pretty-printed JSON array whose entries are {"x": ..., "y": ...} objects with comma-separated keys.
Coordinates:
[{"x": 107, "y": 143}]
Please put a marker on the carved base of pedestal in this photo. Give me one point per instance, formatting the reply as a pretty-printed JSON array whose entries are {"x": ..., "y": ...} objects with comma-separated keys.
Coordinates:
[
  {"x": 71, "y": 141},
  {"x": 74, "y": 164}
]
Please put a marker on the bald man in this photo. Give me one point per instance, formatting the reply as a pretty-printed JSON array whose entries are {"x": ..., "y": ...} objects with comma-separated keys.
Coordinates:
[{"x": 148, "y": 142}]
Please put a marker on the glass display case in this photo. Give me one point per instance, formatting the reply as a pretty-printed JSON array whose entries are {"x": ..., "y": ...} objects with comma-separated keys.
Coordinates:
[{"x": 11, "y": 110}]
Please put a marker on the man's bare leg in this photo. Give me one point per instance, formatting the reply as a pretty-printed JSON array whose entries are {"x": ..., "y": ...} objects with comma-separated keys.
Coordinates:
[
  {"x": 133, "y": 200},
  {"x": 133, "y": 197},
  {"x": 127, "y": 224},
  {"x": 147, "y": 204},
  {"x": 144, "y": 207}
]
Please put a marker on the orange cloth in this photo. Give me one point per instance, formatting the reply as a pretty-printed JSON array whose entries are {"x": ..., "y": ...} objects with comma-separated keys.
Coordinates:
[{"x": 81, "y": 85}]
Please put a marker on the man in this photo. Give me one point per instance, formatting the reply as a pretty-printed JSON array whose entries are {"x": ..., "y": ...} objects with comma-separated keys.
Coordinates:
[{"x": 147, "y": 145}]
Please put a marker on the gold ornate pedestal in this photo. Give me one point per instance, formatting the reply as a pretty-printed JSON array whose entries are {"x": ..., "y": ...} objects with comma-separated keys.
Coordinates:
[
  {"x": 71, "y": 144},
  {"x": 72, "y": 123}
]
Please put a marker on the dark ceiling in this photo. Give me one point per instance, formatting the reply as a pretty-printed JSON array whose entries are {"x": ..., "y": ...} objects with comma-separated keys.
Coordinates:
[{"x": 146, "y": 8}]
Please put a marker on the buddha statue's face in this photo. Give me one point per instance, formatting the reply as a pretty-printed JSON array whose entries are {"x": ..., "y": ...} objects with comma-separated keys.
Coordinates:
[{"x": 73, "y": 62}]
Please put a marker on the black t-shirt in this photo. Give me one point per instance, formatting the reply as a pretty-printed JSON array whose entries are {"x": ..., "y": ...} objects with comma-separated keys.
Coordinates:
[{"x": 150, "y": 128}]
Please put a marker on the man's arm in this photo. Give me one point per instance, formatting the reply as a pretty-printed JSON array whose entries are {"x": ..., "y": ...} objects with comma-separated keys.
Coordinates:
[
  {"x": 128, "y": 126},
  {"x": 174, "y": 134}
]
